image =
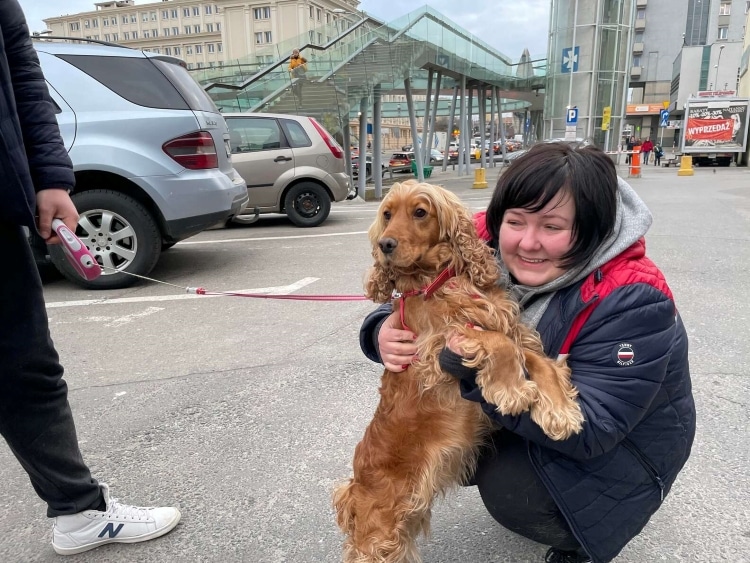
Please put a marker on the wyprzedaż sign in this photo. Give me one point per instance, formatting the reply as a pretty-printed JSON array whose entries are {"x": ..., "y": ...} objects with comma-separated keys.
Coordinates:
[{"x": 719, "y": 125}]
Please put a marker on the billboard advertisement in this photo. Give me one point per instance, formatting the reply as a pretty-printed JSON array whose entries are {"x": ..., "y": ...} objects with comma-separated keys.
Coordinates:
[{"x": 717, "y": 125}]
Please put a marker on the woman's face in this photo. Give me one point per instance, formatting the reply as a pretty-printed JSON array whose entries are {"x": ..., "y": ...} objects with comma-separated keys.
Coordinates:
[{"x": 532, "y": 244}]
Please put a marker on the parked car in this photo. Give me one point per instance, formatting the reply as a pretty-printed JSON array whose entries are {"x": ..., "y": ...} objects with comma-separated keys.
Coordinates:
[
  {"x": 368, "y": 167},
  {"x": 436, "y": 156},
  {"x": 150, "y": 153},
  {"x": 401, "y": 161},
  {"x": 291, "y": 164}
]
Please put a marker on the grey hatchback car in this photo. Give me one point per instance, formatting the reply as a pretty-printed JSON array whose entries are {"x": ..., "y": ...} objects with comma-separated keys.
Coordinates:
[
  {"x": 150, "y": 153},
  {"x": 291, "y": 165}
]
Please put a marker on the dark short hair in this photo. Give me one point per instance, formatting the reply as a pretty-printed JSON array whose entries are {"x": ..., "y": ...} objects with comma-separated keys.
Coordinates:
[{"x": 538, "y": 176}]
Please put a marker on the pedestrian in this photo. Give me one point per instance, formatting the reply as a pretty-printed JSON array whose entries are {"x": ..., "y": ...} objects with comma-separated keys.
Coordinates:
[
  {"x": 646, "y": 149},
  {"x": 36, "y": 175},
  {"x": 297, "y": 73},
  {"x": 658, "y": 153},
  {"x": 570, "y": 241},
  {"x": 629, "y": 147}
]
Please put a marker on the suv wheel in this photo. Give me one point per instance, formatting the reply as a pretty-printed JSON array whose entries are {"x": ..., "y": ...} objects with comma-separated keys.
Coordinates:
[
  {"x": 119, "y": 232},
  {"x": 307, "y": 204}
]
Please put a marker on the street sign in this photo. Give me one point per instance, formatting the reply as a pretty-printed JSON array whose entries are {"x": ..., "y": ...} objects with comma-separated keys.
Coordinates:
[
  {"x": 606, "y": 116},
  {"x": 663, "y": 118},
  {"x": 570, "y": 59},
  {"x": 571, "y": 117},
  {"x": 665, "y": 103}
]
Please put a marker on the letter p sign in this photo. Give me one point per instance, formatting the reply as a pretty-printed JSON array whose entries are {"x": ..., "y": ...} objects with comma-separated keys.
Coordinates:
[{"x": 572, "y": 116}]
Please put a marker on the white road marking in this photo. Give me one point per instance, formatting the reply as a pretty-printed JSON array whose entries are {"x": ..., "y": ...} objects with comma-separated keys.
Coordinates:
[
  {"x": 114, "y": 322},
  {"x": 277, "y": 290}
]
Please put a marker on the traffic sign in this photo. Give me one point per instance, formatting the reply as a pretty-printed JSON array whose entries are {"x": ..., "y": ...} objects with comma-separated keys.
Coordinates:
[
  {"x": 571, "y": 117},
  {"x": 663, "y": 118},
  {"x": 570, "y": 59}
]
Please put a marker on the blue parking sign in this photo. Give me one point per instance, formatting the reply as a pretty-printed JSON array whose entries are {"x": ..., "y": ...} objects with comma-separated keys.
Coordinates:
[{"x": 571, "y": 116}]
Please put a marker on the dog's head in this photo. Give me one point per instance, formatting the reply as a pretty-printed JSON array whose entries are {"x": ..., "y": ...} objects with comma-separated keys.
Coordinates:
[{"x": 421, "y": 229}]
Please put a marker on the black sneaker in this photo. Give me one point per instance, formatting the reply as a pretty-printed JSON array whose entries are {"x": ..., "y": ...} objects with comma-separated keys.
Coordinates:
[{"x": 555, "y": 555}]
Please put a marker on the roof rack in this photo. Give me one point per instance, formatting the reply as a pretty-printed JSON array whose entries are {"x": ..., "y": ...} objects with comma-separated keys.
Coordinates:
[{"x": 78, "y": 39}]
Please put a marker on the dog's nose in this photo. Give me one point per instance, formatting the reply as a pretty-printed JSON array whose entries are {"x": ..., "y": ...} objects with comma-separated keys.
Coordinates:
[{"x": 387, "y": 245}]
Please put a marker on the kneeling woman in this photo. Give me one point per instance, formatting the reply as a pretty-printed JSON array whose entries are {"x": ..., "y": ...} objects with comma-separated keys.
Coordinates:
[{"x": 569, "y": 237}]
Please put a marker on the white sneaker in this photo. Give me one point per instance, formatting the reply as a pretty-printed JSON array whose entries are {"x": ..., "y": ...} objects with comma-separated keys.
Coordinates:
[{"x": 120, "y": 523}]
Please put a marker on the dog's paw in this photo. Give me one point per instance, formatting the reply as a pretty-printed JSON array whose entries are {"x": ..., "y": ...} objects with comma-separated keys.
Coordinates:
[
  {"x": 559, "y": 423},
  {"x": 511, "y": 399}
]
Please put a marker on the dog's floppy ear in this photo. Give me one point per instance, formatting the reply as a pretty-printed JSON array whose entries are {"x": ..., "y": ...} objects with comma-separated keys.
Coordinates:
[
  {"x": 379, "y": 284},
  {"x": 472, "y": 255}
]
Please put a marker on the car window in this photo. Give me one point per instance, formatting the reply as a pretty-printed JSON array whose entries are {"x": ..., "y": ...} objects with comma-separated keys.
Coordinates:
[
  {"x": 296, "y": 134},
  {"x": 137, "y": 80},
  {"x": 196, "y": 97},
  {"x": 253, "y": 134}
]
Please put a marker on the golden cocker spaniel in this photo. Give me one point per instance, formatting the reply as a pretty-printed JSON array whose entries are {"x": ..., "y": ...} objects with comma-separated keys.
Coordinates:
[{"x": 424, "y": 437}]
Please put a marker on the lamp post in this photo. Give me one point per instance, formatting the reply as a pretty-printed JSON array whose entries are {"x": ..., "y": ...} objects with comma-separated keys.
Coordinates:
[{"x": 718, "y": 61}]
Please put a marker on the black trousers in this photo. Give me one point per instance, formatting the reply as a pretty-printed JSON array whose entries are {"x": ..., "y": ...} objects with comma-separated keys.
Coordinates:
[
  {"x": 515, "y": 495},
  {"x": 35, "y": 417}
]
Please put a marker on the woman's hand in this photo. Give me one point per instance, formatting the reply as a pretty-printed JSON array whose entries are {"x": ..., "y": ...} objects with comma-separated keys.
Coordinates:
[{"x": 396, "y": 346}]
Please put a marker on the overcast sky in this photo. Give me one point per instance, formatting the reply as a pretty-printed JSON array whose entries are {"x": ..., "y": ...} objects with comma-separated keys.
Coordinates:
[{"x": 508, "y": 25}]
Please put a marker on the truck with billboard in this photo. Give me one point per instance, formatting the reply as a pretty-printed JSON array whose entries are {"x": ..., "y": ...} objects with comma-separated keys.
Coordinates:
[{"x": 714, "y": 129}]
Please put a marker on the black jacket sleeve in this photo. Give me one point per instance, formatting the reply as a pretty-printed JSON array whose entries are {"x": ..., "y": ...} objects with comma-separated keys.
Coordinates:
[
  {"x": 368, "y": 334},
  {"x": 48, "y": 159},
  {"x": 614, "y": 394}
]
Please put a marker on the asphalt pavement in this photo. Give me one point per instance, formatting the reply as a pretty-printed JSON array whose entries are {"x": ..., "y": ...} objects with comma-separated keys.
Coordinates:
[{"x": 245, "y": 412}]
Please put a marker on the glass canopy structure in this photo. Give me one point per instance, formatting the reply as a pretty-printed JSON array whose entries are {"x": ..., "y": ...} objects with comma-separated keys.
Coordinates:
[{"x": 368, "y": 65}]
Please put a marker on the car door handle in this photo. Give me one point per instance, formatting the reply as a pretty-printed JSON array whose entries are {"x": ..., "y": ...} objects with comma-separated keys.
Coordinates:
[{"x": 282, "y": 159}]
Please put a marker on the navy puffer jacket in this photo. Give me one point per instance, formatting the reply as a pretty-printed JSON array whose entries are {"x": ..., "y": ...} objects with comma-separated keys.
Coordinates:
[
  {"x": 32, "y": 154},
  {"x": 628, "y": 352}
]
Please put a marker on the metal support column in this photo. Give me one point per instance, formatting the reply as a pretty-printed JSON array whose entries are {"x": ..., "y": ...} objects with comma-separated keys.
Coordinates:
[
  {"x": 469, "y": 128},
  {"x": 362, "y": 178},
  {"x": 433, "y": 118},
  {"x": 424, "y": 153},
  {"x": 377, "y": 142},
  {"x": 493, "y": 126},
  {"x": 413, "y": 124},
  {"x": 502, "y": 125},
  {"x": 482, "y": 92},
  {"x": 462, "y": 129},
  {"x": 451, "y": 120}
]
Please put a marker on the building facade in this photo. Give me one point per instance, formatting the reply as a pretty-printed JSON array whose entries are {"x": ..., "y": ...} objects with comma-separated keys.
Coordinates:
[
  {"x": 209, "y": 33},
  {"x": 680, "y": 49}
]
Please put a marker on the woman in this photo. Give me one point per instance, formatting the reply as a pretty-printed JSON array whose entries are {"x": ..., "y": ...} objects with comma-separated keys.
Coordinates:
[{"x": 569, "y": 236}]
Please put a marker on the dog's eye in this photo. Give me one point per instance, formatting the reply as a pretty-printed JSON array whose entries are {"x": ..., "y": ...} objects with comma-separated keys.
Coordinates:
[
  {"x": 387, "y": 215},
  {"x": 419, "y": 213}
]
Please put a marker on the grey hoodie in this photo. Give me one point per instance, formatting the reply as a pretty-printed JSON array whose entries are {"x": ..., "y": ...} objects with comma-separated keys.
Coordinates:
[{"x": 631, "y": 223}]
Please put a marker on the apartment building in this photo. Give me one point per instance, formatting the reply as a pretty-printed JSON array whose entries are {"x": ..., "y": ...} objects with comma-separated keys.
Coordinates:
[
  {"x": 680, "y": 49},
  {"x": 208, "y": 33}
]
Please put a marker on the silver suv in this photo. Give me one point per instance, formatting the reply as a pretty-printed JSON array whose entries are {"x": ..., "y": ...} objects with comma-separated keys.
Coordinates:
[
  {"x": 150, "y": 152},
  {"x": 291, "y": 165}
]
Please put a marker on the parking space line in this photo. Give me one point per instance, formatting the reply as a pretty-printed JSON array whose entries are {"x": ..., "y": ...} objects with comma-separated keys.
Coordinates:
[{"x": 276, "y": 290}]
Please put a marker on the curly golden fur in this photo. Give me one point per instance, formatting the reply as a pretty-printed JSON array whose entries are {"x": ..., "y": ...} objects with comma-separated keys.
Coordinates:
[{"x": 424, "y": 438}]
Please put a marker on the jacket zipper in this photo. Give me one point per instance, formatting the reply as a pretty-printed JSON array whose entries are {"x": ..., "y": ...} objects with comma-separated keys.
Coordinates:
[{"x": 643, "y": 460}]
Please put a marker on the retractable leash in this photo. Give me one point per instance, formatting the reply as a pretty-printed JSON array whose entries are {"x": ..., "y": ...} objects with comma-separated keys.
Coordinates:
[{"x": 88, "y": 268}]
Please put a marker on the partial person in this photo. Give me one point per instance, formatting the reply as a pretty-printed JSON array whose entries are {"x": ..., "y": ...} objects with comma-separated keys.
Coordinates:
[
  {"x": 569, "y": 236},
  {"x": 297, "y": 72},
  {"x": 36, "y": 176}
]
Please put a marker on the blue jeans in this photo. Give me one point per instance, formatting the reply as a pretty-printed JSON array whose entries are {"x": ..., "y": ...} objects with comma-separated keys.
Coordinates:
[{"x": 35, "y": 417}]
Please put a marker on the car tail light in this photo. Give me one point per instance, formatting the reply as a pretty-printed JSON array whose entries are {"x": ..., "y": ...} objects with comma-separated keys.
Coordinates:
[
  {"x": 195, "y": 151},
  {"x": 330, "y": 142}
]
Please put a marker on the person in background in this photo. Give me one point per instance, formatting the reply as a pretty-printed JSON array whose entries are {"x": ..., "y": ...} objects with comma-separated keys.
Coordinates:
[
  {"x": 646, "y": 149},
  {"x": 658, "y": 153},
  {"x": 629, "y": 147},
  {"x": 570, "y": 241},
  {"x": 297, "y": 72},
  {"x": 36, "y": 177}
]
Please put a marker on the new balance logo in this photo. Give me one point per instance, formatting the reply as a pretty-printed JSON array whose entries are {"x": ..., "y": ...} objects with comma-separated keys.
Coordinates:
[{"x": 110, "y": 529}]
